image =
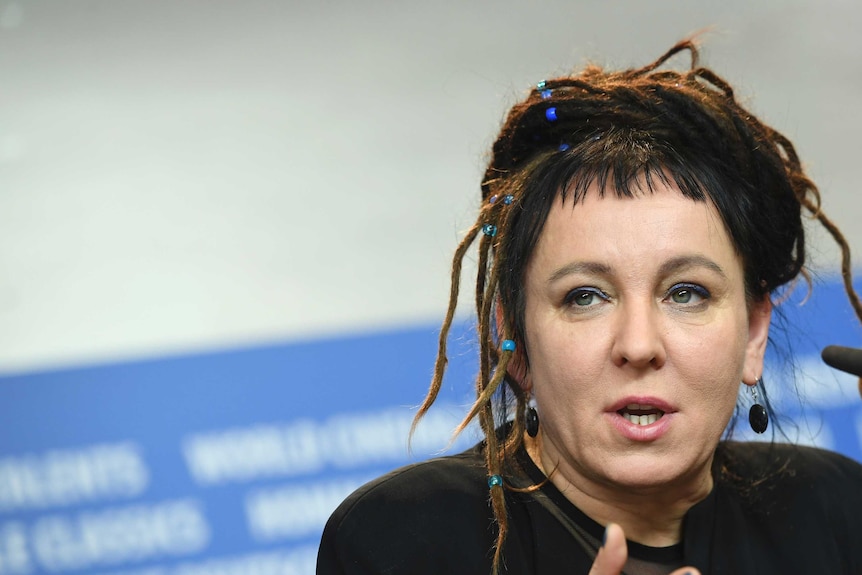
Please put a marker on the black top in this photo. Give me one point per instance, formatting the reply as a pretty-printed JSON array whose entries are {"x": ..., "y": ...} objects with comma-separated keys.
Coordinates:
[{"x": 804, "y": 516}]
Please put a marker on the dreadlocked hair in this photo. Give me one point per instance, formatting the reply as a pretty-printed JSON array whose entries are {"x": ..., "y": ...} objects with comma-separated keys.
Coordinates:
[{"x": 621, "y": 131}]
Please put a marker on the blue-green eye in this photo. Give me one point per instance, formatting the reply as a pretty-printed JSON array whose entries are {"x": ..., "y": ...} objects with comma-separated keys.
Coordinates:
[
  {"x": 681, "y": 296},
  {"x": 585, "y": 297},
  {"x": 684, "y": 294}
]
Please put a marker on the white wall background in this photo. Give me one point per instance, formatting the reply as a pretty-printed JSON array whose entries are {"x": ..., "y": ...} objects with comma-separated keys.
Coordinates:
[{"x": 193, "y": 174}]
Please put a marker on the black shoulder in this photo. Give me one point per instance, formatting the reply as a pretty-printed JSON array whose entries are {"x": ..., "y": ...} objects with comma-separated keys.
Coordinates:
[
  {"x": 779, "y": 508},
  {"x": 808, "y": 499},
  {"x": 430, "y": 517},
  {"x": 790, "y": 464},
  {"x": 794, "y": 482}
]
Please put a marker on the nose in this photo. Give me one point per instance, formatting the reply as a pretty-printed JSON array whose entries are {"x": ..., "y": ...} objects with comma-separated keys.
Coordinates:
[{"x": 638, "y": 339}]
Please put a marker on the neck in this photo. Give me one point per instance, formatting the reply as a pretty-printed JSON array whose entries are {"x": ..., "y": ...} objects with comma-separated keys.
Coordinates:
[{"x": 649, "y": 515}]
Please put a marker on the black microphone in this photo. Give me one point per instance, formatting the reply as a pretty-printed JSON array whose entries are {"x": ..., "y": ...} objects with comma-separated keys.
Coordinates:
[{"x": 846, "y": 359}]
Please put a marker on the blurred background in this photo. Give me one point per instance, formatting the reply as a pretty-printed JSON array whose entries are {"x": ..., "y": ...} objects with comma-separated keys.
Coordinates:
[{"x": 226, "y": 236}]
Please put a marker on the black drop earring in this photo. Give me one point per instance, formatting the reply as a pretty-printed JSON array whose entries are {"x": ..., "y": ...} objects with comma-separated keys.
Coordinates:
[
  {"x": 758, "y": 418},
  {"x": 532, "y": 419}
]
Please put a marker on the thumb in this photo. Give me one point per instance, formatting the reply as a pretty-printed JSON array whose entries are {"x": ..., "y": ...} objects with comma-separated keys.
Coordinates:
[
  {"x": 686, "y": 571},
  {"x": 612, "y": 554}
]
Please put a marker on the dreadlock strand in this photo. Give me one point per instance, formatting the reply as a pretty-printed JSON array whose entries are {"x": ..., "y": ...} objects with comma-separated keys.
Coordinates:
[
  {"x": 482, "y": 273},
  {"x": 485, "y": 394},
  {"x": 442, "y": 360},
  {"x": 680, "y": 46},
  {"x": 803, "y": 186},
  {"x": 846, "y": 267},
  {"x": 498, "y": 504},
  {"x": 715, "y": 81},
  {"x": 494, "y": 467},
  {"x": 487, "y": 303}
]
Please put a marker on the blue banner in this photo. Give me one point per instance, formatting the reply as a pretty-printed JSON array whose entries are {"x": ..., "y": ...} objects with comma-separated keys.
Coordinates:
[{"x": 230, "y": 462}]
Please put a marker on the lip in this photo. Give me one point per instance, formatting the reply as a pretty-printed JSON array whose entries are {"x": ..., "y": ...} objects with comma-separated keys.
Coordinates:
[
  {"x": 642, "y": 433},
  {"x": 656, "y": 402}
]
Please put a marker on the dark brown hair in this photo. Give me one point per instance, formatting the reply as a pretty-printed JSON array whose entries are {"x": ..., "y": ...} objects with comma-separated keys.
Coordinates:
[{"x": 622, "y": 131}]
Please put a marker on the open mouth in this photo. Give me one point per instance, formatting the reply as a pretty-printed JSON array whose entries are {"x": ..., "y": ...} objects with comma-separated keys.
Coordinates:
[{"x": 641, "y": 414}]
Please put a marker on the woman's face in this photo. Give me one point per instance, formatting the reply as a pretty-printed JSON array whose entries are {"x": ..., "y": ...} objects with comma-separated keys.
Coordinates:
[{"x": 638, "y": 334}]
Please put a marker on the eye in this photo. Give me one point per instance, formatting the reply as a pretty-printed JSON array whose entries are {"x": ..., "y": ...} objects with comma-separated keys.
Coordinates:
[
  {"x": 681, "y": 295},
  {"x": 585, "y": 297},
  {"x": 687, "y": 294}
]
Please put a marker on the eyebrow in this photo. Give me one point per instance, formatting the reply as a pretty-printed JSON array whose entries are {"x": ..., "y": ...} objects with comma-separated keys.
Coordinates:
[
  {"x": 674, "y": 265},
  {"x": 593, "y": 268},
  {"x": 687, "y": 262}
]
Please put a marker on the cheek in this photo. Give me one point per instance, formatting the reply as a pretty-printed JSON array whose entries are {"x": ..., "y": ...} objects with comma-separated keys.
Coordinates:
[
  {"x": 715, "y": 363},
  {"x": 563, "y": 362}
]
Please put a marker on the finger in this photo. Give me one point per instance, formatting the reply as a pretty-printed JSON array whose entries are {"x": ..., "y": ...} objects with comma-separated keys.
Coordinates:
[
  {"x": 686, "y": 571},
  {"x": 612, "y": 554}
]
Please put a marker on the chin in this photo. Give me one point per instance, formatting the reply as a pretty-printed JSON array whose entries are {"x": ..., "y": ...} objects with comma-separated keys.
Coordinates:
[{"x": 655, "y": 473}]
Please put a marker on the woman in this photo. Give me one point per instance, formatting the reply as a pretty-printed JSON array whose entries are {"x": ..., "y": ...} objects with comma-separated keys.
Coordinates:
[{"x": 634, "y": 226}]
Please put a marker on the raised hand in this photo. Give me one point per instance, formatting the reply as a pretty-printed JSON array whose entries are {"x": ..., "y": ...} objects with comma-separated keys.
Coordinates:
[{"x": 613, "y": 554}]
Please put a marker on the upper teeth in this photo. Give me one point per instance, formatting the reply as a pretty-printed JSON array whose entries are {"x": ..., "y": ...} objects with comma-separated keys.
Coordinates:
[{"x": 641, "y": 419}]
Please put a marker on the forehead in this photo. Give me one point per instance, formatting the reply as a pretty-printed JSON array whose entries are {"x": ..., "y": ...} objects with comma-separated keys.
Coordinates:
[{"x": 633, "y": 231}]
